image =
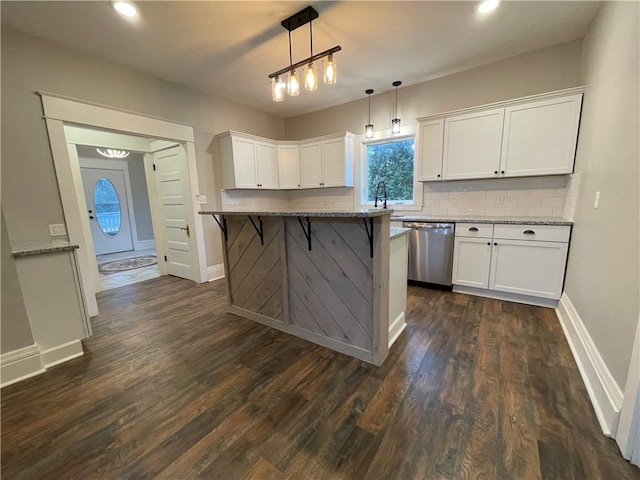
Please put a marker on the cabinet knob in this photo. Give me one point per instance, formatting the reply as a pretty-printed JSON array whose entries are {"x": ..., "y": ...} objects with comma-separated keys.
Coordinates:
[
  {"x": 488, "y": 243},
  {"x": 495, "y": 243},
  {"x": 502, "y": 172},
  {"x": 438, "y": 175},
  {"x": 495, "y": 171},
  {"x": 298, "y": 184},
  {"x": 91, "y": 217}
]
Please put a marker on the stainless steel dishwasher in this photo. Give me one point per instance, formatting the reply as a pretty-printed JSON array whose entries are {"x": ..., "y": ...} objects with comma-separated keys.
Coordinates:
[{"x": 430, "y": 252}]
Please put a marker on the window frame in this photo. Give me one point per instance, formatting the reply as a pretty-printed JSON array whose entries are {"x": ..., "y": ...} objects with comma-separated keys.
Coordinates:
[{"x": 408, "y": 132}]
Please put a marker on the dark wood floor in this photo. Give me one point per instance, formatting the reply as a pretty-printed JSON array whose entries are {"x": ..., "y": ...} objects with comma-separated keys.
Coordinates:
[{"x": 171, "y": 387}]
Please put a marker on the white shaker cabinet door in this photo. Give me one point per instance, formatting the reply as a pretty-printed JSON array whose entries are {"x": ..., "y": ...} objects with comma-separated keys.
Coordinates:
[
  {"x": 289, "y": 166},
  {"x": 472, "y": 144},
  {"x": 311, "y": 165},
  {"x": 540, "y": 137},
  {"x": 430, "y": 144},
  {"x": 267, "y": 165},
  {"x": 244, "y": 162},
  {"x": 333, "y": 163},
  {"x": 471, "y": 262},
  {"x": 528, "y": 268}
]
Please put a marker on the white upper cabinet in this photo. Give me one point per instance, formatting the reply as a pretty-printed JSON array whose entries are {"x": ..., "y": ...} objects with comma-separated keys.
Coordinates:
[
  {"x": 430, "y": 144},
  {"x": 472, "y": 145},
  {"x": 289, "y": 166},
  {"x": 267, "y": 165},
  {"x": 516, "y": 138},
  {"x": 247, "y": 162},
  {"x": 327, "y": 163},
  {"x": 540, "y": 137},
  {"x": 311, "y": 165}
]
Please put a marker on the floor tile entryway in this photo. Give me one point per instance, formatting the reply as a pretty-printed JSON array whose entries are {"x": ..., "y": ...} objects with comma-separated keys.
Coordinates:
[{"x": 114, "y": 278}]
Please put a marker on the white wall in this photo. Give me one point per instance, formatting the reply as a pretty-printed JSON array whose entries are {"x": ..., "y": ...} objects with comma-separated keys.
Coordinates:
[
  {"x": 140, "y": 197},
  {"x": 602, "y": 275}
]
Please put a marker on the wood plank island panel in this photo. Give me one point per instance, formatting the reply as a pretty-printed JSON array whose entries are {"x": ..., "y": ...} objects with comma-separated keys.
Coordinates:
[{"x": 334, "y": 293}]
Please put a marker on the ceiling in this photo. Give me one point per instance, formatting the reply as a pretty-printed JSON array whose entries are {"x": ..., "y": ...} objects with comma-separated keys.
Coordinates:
[{"x": 228, "y": 48}]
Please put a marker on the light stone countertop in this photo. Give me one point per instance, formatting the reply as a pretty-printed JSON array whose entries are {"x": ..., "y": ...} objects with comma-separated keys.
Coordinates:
[
  {"x": 356, "y": 213},
  {"x": 38, "y": 247},
  {"x": 398, "y": 232},
  {"x": 482, "y": 219}
]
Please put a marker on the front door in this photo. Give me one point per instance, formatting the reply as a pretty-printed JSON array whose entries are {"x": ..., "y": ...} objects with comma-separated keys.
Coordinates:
[
  {"x": 106, "y": 197},
  {"x": 178, "y": 221}
]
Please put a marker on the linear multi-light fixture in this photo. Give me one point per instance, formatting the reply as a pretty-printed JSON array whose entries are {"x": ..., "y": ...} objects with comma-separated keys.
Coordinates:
[{"x": 292, "y": 84}]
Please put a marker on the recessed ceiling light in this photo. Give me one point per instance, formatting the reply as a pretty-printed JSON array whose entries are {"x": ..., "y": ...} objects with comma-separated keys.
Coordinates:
[
  {"x": 127, "y": 9},
  {"x": 487, "y": 6}
]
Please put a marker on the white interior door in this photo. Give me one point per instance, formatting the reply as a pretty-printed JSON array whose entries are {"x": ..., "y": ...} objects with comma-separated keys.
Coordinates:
[
  {"x": 177, "y": 213},
  {"x": 106, "y": 197}
]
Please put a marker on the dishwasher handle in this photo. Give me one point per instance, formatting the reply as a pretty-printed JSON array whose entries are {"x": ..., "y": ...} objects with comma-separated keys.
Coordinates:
[{"x": 428, "y": 226}]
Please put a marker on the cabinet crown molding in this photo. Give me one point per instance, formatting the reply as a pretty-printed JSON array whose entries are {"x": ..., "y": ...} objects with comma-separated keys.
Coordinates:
[
  {"x": 506, "y": 103},
  {"x": 285, "y": 142}
]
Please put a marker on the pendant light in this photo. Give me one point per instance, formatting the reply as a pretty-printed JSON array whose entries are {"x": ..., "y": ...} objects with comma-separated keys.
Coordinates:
[
  {"x": 310, "y": 74},
  {"x": 395, "y": 122},
  {"x": 293, "y": 86},
  {"x": 277, "y": 89},
  {"x": 330, "y": 72},
  {"x": 368, "y": 128}
]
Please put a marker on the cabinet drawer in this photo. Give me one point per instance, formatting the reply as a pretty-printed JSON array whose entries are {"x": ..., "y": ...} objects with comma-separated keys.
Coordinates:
[
  {"x": 481, "y": 230},
  {"x": 543, "y": 233}
]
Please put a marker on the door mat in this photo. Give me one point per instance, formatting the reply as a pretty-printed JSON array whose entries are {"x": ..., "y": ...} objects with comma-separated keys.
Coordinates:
[{"x": 125, "y": 264}]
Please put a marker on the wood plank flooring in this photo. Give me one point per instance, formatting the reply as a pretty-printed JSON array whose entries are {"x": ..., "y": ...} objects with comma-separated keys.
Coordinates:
[{"x": 172, "y": 387}]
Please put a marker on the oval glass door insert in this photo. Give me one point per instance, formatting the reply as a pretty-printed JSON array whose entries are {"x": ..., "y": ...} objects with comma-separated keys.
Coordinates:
[{"x": 107, "y": 206}]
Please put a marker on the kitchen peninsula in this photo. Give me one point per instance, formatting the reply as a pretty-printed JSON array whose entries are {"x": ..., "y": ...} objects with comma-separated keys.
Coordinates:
[{"x": 320, "y": 275}]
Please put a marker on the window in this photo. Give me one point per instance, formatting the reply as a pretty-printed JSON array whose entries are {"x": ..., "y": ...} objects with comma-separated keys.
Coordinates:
[
  {"x": 391, "y": 161},
  {"x": 107, "y": 205}
]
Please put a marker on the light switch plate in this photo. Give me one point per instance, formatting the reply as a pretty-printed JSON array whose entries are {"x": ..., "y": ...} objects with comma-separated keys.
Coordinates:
[
  {"x": 57, "y": 230},
  {"x": 201, "y": 199}
]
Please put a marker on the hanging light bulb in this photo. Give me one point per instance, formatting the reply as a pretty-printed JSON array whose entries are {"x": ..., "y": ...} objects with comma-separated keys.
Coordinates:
[
  {"x": 310, "y": 77},
  {"x": 293, "y": 87},
  {"x": 277, "y": 89},
  {"x": 330, "y": 72},
  {"x": 395, "y": 122},
  {"x": 368, "y": 128}
]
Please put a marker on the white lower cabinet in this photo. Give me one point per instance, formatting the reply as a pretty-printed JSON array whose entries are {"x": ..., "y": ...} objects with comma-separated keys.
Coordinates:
[
  {"x": 528, "y": 267},
  {"x": 523, "y": 260},
  {"x": 471, "y": 262}
]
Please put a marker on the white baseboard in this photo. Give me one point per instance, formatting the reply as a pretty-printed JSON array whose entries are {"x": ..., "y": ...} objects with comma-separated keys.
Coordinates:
[
  {"x": 62, "y": 353},
  {"x": 510, "y": 297},
  {"x": 605, "y": 394},
  {"x": 215, "y": 272},
  {"x": 20, "y": 364},
  {"x": 144, "y": 244},
  {"x": 396, "y": 328}
]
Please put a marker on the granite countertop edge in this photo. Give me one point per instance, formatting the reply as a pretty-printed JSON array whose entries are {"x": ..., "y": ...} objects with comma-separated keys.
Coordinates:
[
  {"x": 39, "y": 247},
  {"x": 398, "y": 232},
  {"x": 363, "y": 213},
  {"x": 479, "y": 219}
]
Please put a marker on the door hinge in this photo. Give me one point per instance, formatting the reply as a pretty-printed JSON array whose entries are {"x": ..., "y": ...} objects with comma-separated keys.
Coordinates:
[
  {"x": 154, "y": 167},
  {"x": 165, "y": 258}
]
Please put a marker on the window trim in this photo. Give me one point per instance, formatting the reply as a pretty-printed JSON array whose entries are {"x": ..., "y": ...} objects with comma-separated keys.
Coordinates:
[{"x": 385, "y": 136}]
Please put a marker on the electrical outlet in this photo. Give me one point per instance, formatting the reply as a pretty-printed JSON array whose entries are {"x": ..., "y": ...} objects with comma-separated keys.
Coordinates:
[
  {"x": 201, "y": 199},
  {"x": 57, "y": 230},
  {"x": 596, "y": 201}
]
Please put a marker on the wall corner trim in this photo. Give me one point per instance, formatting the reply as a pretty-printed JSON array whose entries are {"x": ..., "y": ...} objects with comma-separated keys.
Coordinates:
[
  {"x": 20, "y": 364},
  {"x": 215, "y": 272},
  {"x": 605, "y": 394}
]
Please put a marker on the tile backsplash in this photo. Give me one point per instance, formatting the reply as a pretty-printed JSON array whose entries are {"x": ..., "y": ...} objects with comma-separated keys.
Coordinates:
[{"x": 552, "y": 196}]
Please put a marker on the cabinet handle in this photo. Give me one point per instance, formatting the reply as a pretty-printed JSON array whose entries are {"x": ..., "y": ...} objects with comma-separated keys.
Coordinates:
[
  {"x": 438, "y": 175},
  {"x": 298, "y": 185},
  {"x": 495, "y": 171},
  {"x": 495, "y": 243},
  {"x": 488, "y": 243},
  {"x": 502, "y": 172},
  {"x": 529, "y": 232},
  {"x": 91, "y": 217},
  {"x": 473, "y": 229}
]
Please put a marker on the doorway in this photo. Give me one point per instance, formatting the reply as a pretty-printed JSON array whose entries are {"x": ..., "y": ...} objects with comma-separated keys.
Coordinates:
[{"x": 65, "y": 118}]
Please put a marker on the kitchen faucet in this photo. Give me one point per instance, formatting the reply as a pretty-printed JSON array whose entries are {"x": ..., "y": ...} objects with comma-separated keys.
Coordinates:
[{"x": 384, "y": 193}]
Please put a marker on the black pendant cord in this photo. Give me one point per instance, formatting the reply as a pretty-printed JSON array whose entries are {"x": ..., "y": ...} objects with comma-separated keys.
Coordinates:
[
  {"x": 290, "y": 55},
  {"x": 310, "y": 36},
  {"x": 369, "y": 109}
]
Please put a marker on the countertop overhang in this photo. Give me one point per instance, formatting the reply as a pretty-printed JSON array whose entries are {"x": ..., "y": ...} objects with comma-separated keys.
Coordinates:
[
  {"x": 39, "y": 247},
  {"x": 356, "y": 213}
]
